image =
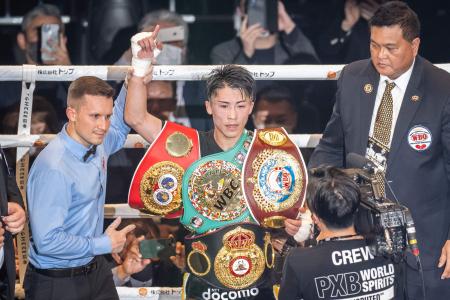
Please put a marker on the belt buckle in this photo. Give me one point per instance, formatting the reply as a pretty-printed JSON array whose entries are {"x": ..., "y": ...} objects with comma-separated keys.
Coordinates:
[
  {"x": 89, "y": 268},
  {"x": 85, "y": 270}
]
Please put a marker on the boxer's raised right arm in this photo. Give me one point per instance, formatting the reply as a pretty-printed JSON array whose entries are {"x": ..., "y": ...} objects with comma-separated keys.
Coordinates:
[
  {"x": 144, "y": 48},
  {"x": 136, "y": 114}
]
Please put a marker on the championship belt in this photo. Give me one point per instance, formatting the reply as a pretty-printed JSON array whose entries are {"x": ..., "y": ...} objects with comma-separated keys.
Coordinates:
[
  {"x": 234, "y": 257},
  {"x": 212, "y": 191},
  {"x": 274, "y": 178},
  {"x": 156, "y": 184}
]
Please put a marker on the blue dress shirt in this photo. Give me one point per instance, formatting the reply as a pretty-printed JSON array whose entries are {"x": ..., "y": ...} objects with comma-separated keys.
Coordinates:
[{"x": 66, "y": 197}]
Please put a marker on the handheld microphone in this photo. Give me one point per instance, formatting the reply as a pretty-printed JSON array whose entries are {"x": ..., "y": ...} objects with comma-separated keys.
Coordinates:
[{"x": 411, "y": 233}]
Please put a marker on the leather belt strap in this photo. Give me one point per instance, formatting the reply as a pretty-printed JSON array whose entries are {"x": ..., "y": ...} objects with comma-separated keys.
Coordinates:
[
  {"x": 274, "y": 178},
  {"x": 156, "y": 184},
  {"x": 67, "y": 272}
]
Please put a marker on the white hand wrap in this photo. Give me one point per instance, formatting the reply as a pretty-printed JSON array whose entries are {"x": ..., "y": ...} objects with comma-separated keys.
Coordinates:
[
  {"x": 141, "y": 65},
  {"x": 305, "y": 229}
]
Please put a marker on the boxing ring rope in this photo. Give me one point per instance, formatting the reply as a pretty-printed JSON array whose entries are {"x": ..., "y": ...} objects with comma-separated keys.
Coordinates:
[
  {"x": 191, "y": 72},
  {"x": 29, "y": 74},
  {"x": 133, "y": 140}
]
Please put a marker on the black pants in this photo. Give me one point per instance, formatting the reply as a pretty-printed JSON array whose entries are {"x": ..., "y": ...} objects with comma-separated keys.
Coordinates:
[
  {"x": 4, "y": 284},
  {"x": 436, "y": 288},
  {"x": 97, "y": 285}
]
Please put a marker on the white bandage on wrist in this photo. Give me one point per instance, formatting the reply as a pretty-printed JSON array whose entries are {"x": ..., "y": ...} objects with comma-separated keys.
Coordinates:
[
  {"x": 141, "y": 65},
  {"x": 305, "y": 229}
]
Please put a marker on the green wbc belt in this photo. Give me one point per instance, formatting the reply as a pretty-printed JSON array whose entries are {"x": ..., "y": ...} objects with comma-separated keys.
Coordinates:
[{"x": 212, "y": 192}]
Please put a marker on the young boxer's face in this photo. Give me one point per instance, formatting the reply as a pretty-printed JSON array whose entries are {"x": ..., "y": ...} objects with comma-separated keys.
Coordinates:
[{"x": 230, "y": 109}]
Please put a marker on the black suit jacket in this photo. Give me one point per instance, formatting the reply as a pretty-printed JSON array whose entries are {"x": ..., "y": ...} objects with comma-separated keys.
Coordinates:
[
  {"x": 8, "y": 192},
  {"x": 419, "y": 179}
]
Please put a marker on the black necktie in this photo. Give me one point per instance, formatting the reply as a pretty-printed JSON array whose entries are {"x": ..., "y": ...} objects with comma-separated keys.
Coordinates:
[{"x": 90, "y": 152}]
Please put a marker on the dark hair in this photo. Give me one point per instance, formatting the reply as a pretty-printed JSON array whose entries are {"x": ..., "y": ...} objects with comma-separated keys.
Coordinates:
[
  {"x": 145, "y": 227},
  {"x": 41, "y": 10},
  {"x": 89, "y": 85},
  {"x": 333, "y": 196},
  {"x": 233, "y": 76},
  {"x": 397, "y": 13},
  {"x": 275, "y": 93},
  {"x": 42, "y": 105}
]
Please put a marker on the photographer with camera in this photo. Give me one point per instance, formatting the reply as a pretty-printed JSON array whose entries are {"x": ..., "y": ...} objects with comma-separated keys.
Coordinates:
[{"x": 341, "y": 265}]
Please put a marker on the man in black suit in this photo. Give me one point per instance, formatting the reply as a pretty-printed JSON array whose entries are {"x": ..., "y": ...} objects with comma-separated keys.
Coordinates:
[
  {"x": 395, "y": 110},
  {"x": 13, "y": 221}
]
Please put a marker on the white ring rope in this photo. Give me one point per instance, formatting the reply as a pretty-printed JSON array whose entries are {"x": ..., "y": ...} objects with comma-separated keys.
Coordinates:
[
  {"x": 185, "y": 72},
  {"x": 133, "y": 140}
]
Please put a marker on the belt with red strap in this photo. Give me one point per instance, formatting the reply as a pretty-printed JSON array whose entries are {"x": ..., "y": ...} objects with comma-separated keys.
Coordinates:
[
  {"x": 274, "y": 178},
  {"x": 156, "y": 184}
]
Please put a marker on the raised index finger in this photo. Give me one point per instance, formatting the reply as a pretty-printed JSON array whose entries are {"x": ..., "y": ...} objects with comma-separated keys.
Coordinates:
[
  {"x": 128, "y": 228},
  {"x": 156, "y": 31}
]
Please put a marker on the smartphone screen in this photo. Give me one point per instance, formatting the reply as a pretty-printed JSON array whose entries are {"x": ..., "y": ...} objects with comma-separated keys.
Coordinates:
[
  {"x": 171, "y": 34},
  {"x": 157, "y": 248},
  {"x": 49, "y": 41},
  {"x": 264, "y": 12},
  {"x": 256, "y": 12}
]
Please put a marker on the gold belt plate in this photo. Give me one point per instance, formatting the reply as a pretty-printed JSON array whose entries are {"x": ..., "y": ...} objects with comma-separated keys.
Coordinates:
[
  {"x": 215, "y": 190},
  {"x": 240, "y": 262},
  {"x": 160, "y": 187},
  {"x": 277, "y": 179}
]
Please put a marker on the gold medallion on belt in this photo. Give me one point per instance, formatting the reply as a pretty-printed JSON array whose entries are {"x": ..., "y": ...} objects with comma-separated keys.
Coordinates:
[
  {"x": 240, "y": 262},
  {"x": 178, "y": 144},
  {"x": 160, "y": 187},
  {"x": 215, "y": 190},
  {"x": 272, "y": 137},
  {"x": 277, "y": 179}
]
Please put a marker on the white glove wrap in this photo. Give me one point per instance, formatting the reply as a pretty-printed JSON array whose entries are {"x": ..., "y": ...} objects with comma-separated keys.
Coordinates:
[
  {"x": 305, "y": 229},
  {"x": 140, "y": 65}
]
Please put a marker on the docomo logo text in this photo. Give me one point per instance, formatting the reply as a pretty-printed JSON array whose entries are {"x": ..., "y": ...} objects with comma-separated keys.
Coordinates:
[{"x": 213, "y": 294}]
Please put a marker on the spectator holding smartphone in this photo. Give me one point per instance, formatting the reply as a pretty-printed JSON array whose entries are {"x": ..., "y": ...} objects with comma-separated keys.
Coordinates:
[
  {"x": 346, "y": 37},
  {"x": 255, "y": 46},
  {"x": 28, "y": 51},
  {"x": 34, "y": 49},
  {"x": 133, "y": 270}
]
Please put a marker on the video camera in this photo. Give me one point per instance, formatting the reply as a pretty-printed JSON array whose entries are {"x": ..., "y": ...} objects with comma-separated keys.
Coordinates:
[{"x": 387, "y": 225}]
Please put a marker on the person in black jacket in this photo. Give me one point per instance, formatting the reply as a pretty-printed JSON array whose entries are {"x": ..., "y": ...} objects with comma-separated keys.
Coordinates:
[
  {"x": 415, "y": 154},
  {"x": 341, "y": 266},
  {"x": 13, "y": 220}
]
